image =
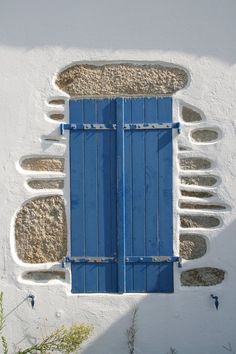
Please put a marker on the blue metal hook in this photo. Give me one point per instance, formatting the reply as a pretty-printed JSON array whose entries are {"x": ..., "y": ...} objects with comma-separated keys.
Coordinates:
[
  {"x": 32, "y": 300},
  {"x": 214, "y": 297}
]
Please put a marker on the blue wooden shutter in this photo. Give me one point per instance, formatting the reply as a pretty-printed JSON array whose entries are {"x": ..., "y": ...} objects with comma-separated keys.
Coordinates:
[{"x": 121, "y": 195}]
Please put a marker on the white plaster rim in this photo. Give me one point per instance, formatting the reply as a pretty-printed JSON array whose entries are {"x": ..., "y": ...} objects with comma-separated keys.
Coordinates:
[
  {"x": 38, "y": 156},
  {"x": 182, "y": 104},
  {"x": 198, "y": 213},
  {"x": 55, "y": 105},
  {"x": 199, "y": 201},
  {"x": 202, "y": 128},
  {"x": 42, "y": 191}
]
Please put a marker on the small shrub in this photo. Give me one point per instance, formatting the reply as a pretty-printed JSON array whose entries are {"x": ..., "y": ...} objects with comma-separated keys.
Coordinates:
[{"x": 63, "y": 340}]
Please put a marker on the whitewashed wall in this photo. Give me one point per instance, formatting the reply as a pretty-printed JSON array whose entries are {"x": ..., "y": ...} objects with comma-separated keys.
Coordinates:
[{"x": 37, "y": 39}]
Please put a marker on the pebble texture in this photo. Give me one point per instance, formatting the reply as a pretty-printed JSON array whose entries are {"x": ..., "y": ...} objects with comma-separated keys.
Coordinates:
[
  {"x": 199, "y": 221},
  {"x": 189, "y": 115},
  {"x": 194, "y": 163},
  {"x": 57, "y": 101},
  {"x": 202, "y": 277},
  {"x": 40, "y": 230},
  {"x": 203, "y": 181},
  {"x": 196, "y": 194},
  {"x": 192, "y": 246},
  {"x": 46, "y": 184},
  {"x": 204, "y": 135},
  {"x": 202, "y": 206},
  {"x": 121, "y": 80},
  {"x": 44, "y": 276},
  {"x": 43, "y": 164},
  {"x": 56, "y": 116},
  {"x": 184, "y": 148}
]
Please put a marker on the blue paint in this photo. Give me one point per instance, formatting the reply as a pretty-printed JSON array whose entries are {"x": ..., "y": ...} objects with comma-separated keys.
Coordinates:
[{"x": 121, "y": 194}]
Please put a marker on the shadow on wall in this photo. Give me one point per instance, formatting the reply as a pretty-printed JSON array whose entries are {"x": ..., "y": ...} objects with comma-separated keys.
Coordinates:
[
  {"x": 203, "y": 28},
  {"x": 185, "y": 320}
]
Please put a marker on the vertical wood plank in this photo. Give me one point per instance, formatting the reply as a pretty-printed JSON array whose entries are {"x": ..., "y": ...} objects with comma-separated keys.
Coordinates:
[
  {"x": 165, "y": 195},
  {"x": 113, "y": 197},
  {"x": 77, "y": 211},
  {"x": 91, "y": 195},
  {"x": 120, "y": 195},
  {"x": 165, "y": 178},
  {"x": 138, "y": 193},
  {"x": 151, "y": 195},
  {"x": 128, "y": 194}
]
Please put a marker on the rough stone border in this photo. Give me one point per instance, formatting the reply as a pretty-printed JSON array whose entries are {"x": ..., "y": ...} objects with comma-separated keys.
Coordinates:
[{"x": 121, "y": 79}]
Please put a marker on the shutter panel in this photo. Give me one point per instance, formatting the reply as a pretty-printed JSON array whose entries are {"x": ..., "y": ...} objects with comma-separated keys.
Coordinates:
[{"x": 143, "y": 194}]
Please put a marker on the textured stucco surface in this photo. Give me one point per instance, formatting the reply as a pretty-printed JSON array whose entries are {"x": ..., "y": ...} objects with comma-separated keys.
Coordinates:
[
  {"x": 46, "y": 183},
  {"x": 201, "y": 206},
  {"x": 194, "y": 163},
  {"x": 202, "y": 276},
  {"x": 43, "y": 276},
  {"x": 204, "y": 135},
  {"x": 199, "y": 221},
  {"x": 196, "y": 194},
  {"x": 40, "y": 230},
  {"x": 43, "y": 164},
  {"x": 190, "y": 116},
  {"x": 192, "y": 246},
  {"x": 204, "y": 181},
  {"x": 121, "y": 79}
]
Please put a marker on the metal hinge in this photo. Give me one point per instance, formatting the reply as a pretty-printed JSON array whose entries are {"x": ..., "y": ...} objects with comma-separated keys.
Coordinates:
[
  {"x": 155, "y": 259},
  {"x": 136, "y": 126},
  {"x": 144, "y": 259},
  {"x": 87, "y": 260}
]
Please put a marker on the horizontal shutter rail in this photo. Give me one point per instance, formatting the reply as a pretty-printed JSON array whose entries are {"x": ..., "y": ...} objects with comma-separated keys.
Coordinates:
[
  {"x": 133, "y": 259},
  {"x": 153, "y": 259},
  {"x": 88, "y": 260},
  {"x": 136, "y": 126}
]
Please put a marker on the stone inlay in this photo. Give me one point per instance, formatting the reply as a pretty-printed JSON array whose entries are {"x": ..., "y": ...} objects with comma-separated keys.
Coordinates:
[
  {"x": 121, "y": 80},
  {"x": 56, "y": 116},
  {"x": 53, "y": 164},
  {"x": 44, "y": 276},
  {"x": 184, "y": 148},
  {"x": 185, "y": 205},
  {"x": 189, "y": 115},
  {"x": 204, "y": 135},
  {"x": 196, "y": 194},
  {"x": 192, "y": 246},
  {"x": 203, "y": 181},
  {"x": 205, "y": 276},
  {"x": 56, "y": 101},
  {"x": 40, "y": 230},
  {"x": 194, "y": 163},
  {"x": 199, "y": 221},
  {"x": 46, "y": 183}
]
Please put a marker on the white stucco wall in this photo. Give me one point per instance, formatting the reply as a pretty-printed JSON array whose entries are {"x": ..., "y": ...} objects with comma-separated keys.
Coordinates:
[{"x": 37, "y": 39}]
